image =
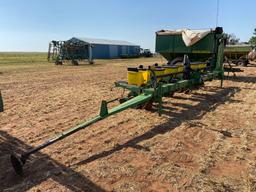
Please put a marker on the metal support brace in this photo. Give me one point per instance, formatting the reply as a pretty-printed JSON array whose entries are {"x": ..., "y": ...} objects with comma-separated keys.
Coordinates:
[
  {"x": 1, "y": 103},
  {"x": 221, "y": 81},
  {"x": 104, "y": 108},
  {"x": 160, "y": 99},
  {"x": 219, "y": 62},
  {"x": 90, "y": 59}
]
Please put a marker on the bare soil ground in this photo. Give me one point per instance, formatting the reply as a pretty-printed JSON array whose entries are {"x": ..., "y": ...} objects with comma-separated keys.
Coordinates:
[{"x": 204, "y": 141}]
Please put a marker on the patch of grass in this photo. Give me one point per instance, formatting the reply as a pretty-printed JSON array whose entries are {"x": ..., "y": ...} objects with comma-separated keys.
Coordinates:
[
  {"x": 18, "y": 61},
  {"x": 21, "y": 58},
  {"x": 12, "y": 61}
]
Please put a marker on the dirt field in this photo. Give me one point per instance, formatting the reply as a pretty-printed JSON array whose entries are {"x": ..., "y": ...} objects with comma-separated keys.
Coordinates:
[{"x": 204, "y": 141}]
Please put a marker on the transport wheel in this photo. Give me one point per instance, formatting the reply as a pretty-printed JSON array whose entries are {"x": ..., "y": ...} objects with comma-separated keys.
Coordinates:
[
  {"x": 240, "y": 63},
  {"x": 245, "y": 63},
  {"x": 58, "y": 63},
  {"x": 74, "y": 62}
]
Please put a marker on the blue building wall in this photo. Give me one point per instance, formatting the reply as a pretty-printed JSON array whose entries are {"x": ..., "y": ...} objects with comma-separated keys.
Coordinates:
[{"x": 101, "y": 51}]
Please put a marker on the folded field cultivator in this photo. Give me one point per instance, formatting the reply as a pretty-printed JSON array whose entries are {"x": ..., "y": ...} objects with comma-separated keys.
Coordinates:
[{"x": 202, "y": 61}]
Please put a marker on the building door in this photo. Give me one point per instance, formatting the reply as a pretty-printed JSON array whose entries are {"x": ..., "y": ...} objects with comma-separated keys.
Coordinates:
[
  {"x": 124, "y": 50},
  {"x": 113, "y": 51}
]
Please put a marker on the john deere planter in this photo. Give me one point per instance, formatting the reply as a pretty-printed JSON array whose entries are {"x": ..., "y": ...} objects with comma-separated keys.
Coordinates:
[{"x": 202, "y": 60}]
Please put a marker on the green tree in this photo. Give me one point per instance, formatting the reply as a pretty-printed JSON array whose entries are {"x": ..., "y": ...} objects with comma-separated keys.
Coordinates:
[
  {"x": 232, "y": 39},
  {"x": 253, "y": 38}
]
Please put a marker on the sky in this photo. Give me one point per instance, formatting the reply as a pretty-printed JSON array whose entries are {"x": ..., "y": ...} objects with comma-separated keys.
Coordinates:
[{"x": 29, "y": 25}]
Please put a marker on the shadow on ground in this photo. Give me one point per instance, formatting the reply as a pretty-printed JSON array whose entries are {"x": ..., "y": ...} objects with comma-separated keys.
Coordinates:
[
  {"x": 242, "y": 79},
  {"x": 41, "y": 168},
  {"x": 206, "y": 103}
]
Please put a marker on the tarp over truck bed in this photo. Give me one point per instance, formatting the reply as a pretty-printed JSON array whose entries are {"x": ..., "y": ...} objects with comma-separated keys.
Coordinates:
[{"x": 190, "y": 37}]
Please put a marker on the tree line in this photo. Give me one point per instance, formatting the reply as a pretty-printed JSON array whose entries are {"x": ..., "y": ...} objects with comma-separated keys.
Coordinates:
[{"x": 233, "y": 40}]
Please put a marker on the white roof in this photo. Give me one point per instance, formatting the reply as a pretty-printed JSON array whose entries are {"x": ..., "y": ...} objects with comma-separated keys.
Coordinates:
[{"x": 104, "y": 41}]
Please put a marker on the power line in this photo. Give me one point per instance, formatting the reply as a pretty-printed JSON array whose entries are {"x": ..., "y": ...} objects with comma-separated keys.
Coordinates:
[{"x": 217, "y": 13}]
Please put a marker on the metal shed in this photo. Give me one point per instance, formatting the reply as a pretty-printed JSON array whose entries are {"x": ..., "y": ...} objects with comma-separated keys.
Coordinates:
[{"x": 104, "y": 49}]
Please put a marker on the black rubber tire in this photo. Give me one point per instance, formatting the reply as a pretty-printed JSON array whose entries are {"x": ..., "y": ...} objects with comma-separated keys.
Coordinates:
[
  {"x": 58, "y": 63},
  {"x": 75, "y": 62},
  {"x": 245, "y": 63}
]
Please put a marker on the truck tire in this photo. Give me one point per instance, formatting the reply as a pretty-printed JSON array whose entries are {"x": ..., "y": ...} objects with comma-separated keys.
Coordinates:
[{"x": 245, "y": 63}]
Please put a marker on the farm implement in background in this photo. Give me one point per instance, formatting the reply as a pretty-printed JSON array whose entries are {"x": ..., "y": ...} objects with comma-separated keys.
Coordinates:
[
  {"x": 238, "y": 54},
  {"x": 60, "y": 51},
  {"x": 202, "y": 61}
]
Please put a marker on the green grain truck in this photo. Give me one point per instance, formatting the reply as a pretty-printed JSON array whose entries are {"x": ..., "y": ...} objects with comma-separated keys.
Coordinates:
[
  {"x": 202, "y": 46},
  {"x": 238, "y": 54}
]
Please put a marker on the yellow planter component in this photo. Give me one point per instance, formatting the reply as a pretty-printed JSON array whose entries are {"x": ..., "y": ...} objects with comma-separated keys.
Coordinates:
[
  {"x": 198, "y": 65},
  {"x": 170, "y": 69},
  {"x": 158, "y": 72},
  {"x": 180, "y": 68},
  {"x": 146, "y": 75},
  {"x": 138, "y": 78}
]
